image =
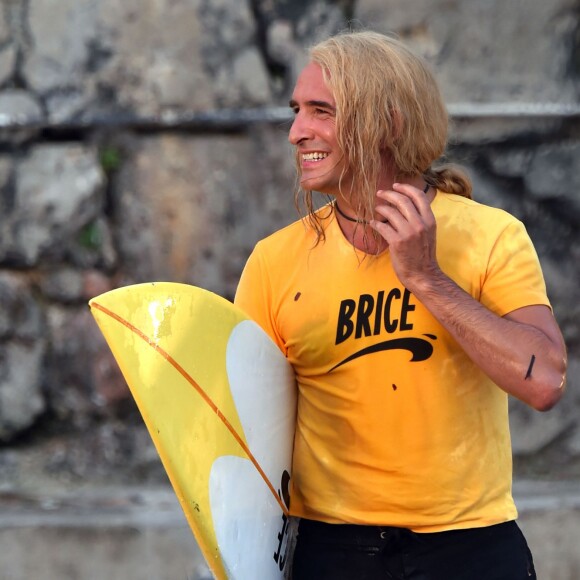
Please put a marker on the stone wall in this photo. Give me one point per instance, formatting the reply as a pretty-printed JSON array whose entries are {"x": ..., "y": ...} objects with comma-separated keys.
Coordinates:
[{"x": 146, "y": 140}]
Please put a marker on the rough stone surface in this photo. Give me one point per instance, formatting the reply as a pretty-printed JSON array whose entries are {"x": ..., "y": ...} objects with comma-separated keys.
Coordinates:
[
  {"x": 19, "y": 107},
  {"x": 117, "y": 55},
  {"x": 548, "y": 175},
  {"x": 62, "y": 284},
  {"x": 499, "y": 129},
  {"x": 219, "y": 195},
  {"x": 68, "y": 285},
  {"x": 82, "y": 380},
  {"x": 20, "y": 315},
  {"x": 22, "y": 347},
  {"x": 6, "y": 172},
  {"x": 58, "y": 191},
  {"x": 21, "y": 400},
  {"x": 488, "y": 51},
  {"x": 7, "y": 63},
  {"x": 4, "y": 29},
  {"x": 20, "y": 117}
]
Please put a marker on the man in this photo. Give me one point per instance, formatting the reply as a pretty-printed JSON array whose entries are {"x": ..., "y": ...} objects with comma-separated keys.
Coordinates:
[{"x": 409, "y": 313}]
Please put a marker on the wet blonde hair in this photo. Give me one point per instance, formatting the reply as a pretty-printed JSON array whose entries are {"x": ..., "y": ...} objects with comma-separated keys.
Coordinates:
[{"x": 387, "y": 101}]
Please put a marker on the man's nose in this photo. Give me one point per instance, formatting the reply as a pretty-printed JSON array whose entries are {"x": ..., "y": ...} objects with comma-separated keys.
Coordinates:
[{"x": 299, "y": 130}]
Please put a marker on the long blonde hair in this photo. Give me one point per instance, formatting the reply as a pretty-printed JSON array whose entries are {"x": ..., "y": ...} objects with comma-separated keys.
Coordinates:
[{"x": 387, "y": 100}]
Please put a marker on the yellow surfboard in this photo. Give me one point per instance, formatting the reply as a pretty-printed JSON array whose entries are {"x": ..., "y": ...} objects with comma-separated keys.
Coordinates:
[{"x": 219, "y": 401}]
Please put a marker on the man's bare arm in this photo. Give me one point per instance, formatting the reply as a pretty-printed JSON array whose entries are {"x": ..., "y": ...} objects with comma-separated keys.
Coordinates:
[{"x": 523, "y": 352}]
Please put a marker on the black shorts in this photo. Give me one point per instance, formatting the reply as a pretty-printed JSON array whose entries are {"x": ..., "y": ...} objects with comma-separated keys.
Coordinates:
[{"x": 352, "y": 552}]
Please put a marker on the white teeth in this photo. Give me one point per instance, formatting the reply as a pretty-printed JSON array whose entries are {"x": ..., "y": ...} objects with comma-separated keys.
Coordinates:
[{"x": 314, "y": 156}]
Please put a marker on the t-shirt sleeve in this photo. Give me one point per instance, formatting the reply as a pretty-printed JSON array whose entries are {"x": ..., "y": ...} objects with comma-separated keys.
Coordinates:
[
  {"x": 254, "y": 295},
  {"x": 513, "y": 277}
]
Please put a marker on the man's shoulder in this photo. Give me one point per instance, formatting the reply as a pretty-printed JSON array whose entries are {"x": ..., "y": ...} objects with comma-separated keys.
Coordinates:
[
  {"x": 470, "y": 209},
  {"x": 285, "y": 235},
  {"x": 296, "y": 235}
]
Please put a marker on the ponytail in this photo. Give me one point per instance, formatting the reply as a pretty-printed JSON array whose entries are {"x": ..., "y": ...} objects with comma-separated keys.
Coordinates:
[{"x": 449, "y": 178}]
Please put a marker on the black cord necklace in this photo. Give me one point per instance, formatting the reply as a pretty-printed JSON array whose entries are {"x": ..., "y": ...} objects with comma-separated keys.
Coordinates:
[{"x": 360, "y": 220}]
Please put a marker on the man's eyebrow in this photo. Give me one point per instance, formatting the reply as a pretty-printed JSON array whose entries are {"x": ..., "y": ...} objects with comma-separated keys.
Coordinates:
[{"x": 320, "y": 104}]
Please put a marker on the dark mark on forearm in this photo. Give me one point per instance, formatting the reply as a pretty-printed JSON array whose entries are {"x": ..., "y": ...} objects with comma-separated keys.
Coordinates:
[{"x": 532, "y": 361}]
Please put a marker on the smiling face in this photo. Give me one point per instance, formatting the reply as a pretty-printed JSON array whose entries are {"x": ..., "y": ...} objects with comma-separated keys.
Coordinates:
[{"x": 313, "y": 133}]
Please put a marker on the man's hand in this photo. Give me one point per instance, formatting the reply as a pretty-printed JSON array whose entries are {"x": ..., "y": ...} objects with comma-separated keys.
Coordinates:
[{"x": 409, "y": 230}]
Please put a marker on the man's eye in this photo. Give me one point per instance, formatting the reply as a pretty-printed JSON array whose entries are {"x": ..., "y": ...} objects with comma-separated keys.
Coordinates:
[{"x": 295, "y": 110}]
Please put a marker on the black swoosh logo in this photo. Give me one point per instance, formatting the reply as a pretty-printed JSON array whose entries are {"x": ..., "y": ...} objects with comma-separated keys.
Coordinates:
[{"x": 419, "y": 348}]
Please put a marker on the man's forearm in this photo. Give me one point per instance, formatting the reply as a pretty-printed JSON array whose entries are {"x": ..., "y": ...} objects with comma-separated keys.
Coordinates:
[{"x": 522, "y": 359}]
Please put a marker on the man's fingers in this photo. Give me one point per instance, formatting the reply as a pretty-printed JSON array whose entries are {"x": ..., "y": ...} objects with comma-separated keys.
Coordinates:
[
  {"x": 392, "y": 215},
  {"x": 412, "y": 203}
]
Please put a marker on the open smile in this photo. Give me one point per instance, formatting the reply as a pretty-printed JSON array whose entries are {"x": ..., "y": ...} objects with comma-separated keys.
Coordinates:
[{"x": 315, "y": 156}]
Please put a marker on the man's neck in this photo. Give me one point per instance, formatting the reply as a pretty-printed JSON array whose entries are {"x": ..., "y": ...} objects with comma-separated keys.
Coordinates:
[
  {"x": 356, "y": 228},
  {"x": 360, "y": 235}
]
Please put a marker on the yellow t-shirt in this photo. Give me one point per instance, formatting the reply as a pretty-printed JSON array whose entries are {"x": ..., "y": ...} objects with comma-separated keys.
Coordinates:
[{"x": 396, "y": 426}]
